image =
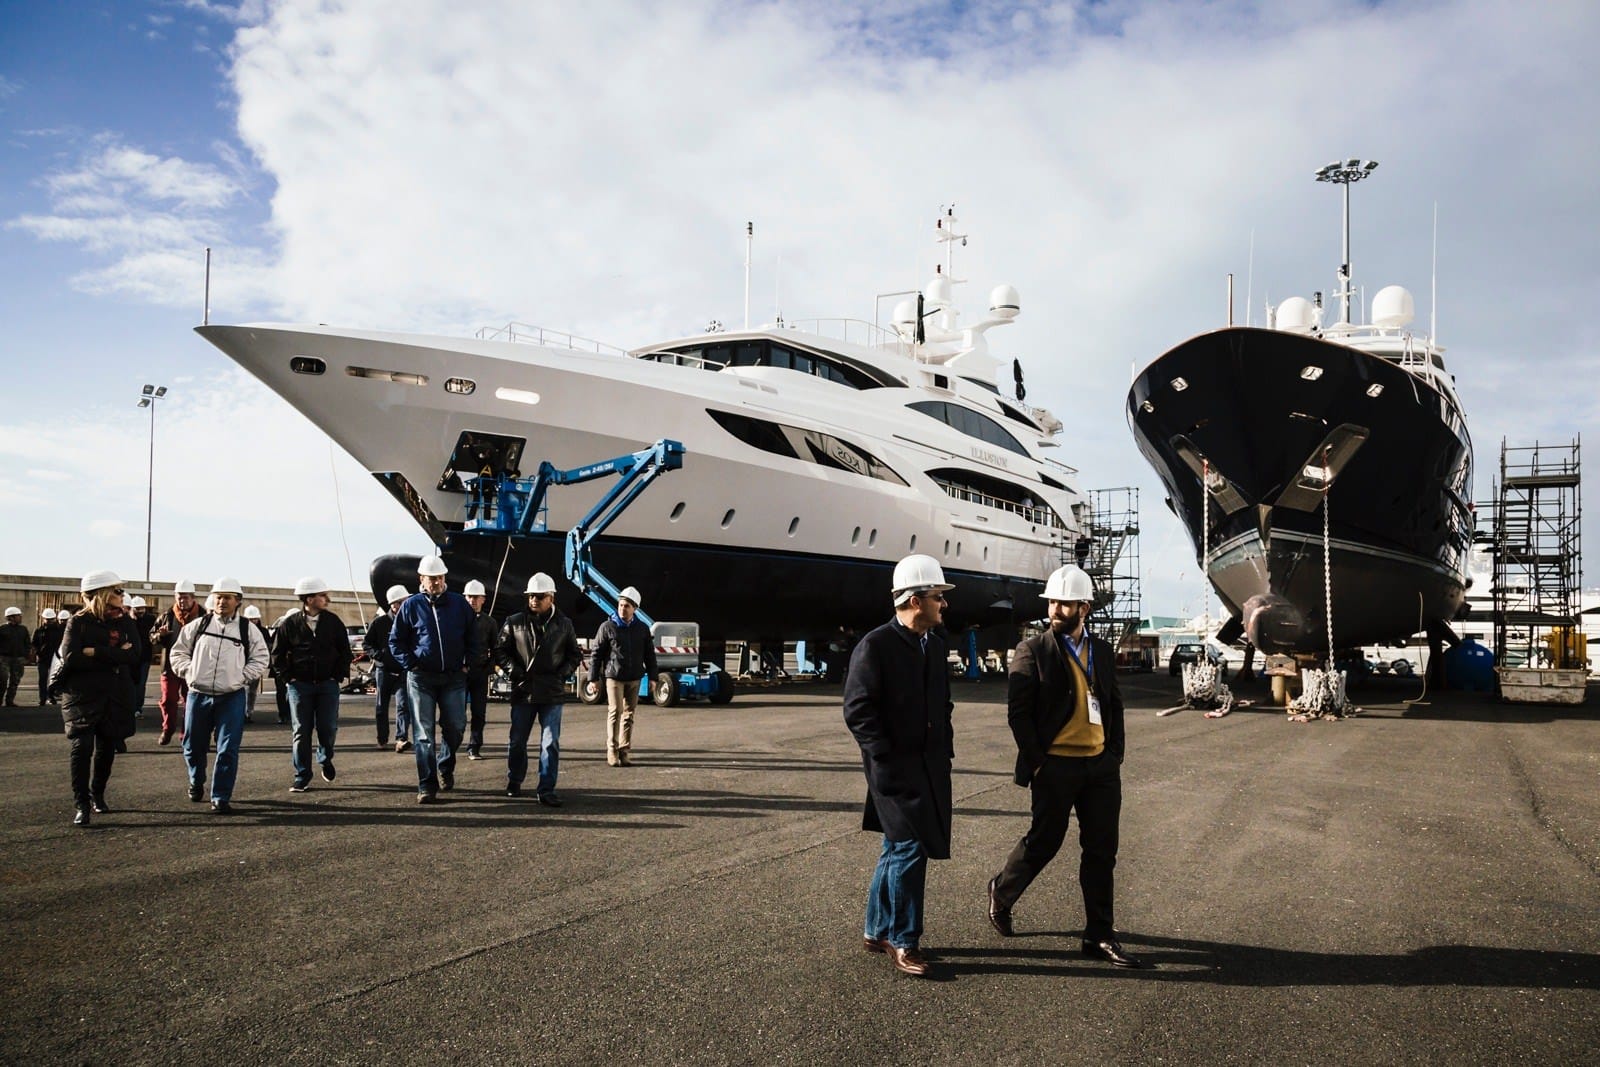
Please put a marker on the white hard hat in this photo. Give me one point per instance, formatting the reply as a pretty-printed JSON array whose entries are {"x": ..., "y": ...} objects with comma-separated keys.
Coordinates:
[
  {"x": 430, "y": 566},
  {"x": 474, "y": 588},
  {"x": 136, "y": 602},
  {"x": 307, "y": 586},
  {"x": 227, "y": 585},
  {"x": 252, "y": 612},
  {"x": 543, "y": 583},
  {"x": 631, "y": 595},
  {"x": 1069, "y": 583},
  {"x": 97, "y": 580},
  {"x": 47, "y": 613},
  {"x": 917, "y": 574},
  {"x": 395, "y": 594},
  {"x": 13, "y": 611},
  {"x": 184, "y": 586}
]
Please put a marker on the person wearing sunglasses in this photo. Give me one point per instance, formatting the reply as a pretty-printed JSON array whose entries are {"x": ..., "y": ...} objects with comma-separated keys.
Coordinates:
[
  {"x": 897, "y": 704},
  {"x": 94, "y": 682}
]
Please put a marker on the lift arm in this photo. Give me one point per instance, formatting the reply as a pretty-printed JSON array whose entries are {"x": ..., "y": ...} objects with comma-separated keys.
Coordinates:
[{"x": 522, "y": 509}]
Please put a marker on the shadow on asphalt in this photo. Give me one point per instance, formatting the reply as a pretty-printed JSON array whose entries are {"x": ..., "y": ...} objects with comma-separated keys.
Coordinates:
[{"x": 1224, "y": 963}]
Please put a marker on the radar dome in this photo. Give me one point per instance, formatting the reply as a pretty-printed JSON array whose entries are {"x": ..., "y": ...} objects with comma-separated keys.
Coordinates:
[
  {"x": 1004, "y": 303},
  {"x": 1393, "y": 308},
  {"x": 938, "y": 292},
  {"x": 1296, "y": 315},
  {"x": 905, "y": 316}
]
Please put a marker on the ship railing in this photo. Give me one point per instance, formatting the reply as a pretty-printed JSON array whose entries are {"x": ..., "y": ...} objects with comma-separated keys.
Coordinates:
[
  {"x": 1036, "y": 514},
  {"x": 523, "y": 333},
  {"x": 1071, "y": 472},
  {"x": 853, "y": 331}
]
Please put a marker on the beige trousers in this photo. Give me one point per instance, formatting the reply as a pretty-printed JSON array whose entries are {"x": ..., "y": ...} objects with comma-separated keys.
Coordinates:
[{"x": 622, "y": 699}]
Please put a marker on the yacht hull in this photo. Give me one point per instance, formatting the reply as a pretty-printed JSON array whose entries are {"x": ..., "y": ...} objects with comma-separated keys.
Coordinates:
[{"x": 1259, "y": 412}]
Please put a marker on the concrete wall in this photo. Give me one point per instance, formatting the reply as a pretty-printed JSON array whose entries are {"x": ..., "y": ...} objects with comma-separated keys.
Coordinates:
[{"x": 34, "y": 593}]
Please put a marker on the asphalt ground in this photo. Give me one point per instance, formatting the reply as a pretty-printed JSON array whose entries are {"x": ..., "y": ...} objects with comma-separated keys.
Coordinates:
[{"x": 1413, "y": 885}]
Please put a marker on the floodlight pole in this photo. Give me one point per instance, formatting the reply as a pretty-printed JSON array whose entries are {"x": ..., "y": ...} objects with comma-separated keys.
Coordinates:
[
  {"x": 1346, "y": 174},
  {"x": 147, "y": 399}
]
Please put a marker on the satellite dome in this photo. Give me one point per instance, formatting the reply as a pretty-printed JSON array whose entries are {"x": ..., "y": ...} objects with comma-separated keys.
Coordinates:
[
  {"x": 938, "y": 293},
  {"x": 1296, "y": 315},
  {"x": 1393, "y": 308},
  {"x": 1004, "y": 303},
  {"x": 905, "y": 317}
]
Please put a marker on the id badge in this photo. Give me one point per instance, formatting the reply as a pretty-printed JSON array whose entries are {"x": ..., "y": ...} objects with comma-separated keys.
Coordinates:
[{"x": 1094, "y": 710}]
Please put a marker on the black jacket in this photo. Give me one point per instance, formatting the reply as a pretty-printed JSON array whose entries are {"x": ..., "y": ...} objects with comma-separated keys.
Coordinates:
[
  {"x": 488, "y": 633},
  {"x": 300, "y": 654},
  {"x": 47, "y": 639},
  {"x": 92, "y": 687},
  {"x": 626, "y": 653},
  {"x": 897, "y": 704},
  {"x": 14, "y": 639},
  {"x": 1042, "y": 691},
  {"x": 376, "y": 643},
  {"x": 538, "y": 659}
]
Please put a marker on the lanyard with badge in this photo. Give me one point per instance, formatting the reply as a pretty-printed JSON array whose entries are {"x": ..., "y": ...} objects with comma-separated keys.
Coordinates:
[{"x": 1088, "y": 673}]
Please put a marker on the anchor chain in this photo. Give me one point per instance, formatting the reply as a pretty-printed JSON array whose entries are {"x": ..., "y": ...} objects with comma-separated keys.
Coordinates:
[
  {"x": 1322, "y": 693},
  {"x": 1203, "y": 687}
]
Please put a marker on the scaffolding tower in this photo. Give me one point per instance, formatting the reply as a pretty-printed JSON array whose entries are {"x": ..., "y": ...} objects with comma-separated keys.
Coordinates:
[
  {"x": 1111, "y": 558},
  {"x": 1538, "y": 557}
]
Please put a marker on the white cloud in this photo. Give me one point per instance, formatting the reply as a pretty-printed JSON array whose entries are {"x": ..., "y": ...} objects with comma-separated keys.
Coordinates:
[
  {"x": 439, "y": 165},
  {"x": 107, "y": 528}
]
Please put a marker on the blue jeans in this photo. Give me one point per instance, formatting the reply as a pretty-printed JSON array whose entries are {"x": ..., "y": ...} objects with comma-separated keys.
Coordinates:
[
  {"x": 203, "y": 715},
  {"x": 390, "y": 683},
  {"x": 438, "y": 706},
  {"x": 522, "y": 716},
  {"x": 894, "y": 899},
  {"x": 312, "y": 704}
]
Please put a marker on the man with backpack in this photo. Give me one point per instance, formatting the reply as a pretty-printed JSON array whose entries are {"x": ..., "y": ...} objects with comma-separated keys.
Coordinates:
[
  {"x": 216, "y": 656},
  {"x": 311, "y": 655}
]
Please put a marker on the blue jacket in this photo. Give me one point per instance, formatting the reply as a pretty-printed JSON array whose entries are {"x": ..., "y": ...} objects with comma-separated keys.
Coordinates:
[{"x": 438, "y": 634}]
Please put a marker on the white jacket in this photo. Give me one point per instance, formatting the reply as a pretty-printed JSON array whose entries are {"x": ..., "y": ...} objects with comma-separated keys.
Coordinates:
[{"x": 211, "y": 658}]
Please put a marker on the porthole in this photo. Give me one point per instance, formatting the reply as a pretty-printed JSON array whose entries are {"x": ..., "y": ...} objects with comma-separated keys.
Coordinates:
[
  {"x": 378, "y": 374},
  {"x": 794, "y": 524},
  {"x": 677, "y": 512},
  {"x": 947, "y": 546},
  {"x": 872, "y": 539},
  {"x": 727, "y": 519},
  {"x": 855, "y": 535},
  {"x": 913, "y": 545},
  {"x": 460, "y": 386},
  {"x": 958, "y": 550},
  {"x": 307, "y": 365}
]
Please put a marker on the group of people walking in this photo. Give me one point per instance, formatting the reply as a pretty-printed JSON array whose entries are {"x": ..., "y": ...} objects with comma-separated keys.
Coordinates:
[{"x": 434, "y": 650}]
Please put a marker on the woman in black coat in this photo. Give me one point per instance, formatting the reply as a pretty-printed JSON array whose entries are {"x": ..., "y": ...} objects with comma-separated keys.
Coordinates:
[{"x": 95, "y": 686}]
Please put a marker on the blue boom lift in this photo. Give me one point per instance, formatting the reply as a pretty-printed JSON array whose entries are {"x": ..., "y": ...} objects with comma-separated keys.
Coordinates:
[{"x": 516, "y": 507}]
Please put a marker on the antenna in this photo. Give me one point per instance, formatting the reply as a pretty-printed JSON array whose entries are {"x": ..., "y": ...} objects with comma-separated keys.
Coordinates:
[
  {"x": 777, "y": 286},
  {"x": 1250, "y": 279},
  {"x": 205, "y": 312},
  {"x": 749, "y": 238},
  {"x": 1433, "y": 301}
]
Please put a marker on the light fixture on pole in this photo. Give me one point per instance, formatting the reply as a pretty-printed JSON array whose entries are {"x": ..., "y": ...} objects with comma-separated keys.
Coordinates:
[
  {"x": 147, "y": 399},
  {"x": 1346, "y": 173}
]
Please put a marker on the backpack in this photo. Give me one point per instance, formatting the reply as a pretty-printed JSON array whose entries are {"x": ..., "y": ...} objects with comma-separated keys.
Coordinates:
[{"x": 245, "y": 626}]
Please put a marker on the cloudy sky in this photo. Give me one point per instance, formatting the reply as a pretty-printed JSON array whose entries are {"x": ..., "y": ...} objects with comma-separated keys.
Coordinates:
[{"x": 422, "y": 164}]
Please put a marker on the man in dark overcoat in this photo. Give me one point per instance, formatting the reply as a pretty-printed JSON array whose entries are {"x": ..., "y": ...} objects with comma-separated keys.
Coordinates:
[
  {"x": 1065, "y": 711},
  {"x": 897, "y": 704}
]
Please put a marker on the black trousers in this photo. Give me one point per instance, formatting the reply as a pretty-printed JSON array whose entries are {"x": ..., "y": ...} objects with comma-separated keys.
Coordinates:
[
  {"x": 96, "y": 745},
  {"x": 44, "y": 675},
  {"x": 1093, "y": 788},
  {"x": 478, "y": 699}
]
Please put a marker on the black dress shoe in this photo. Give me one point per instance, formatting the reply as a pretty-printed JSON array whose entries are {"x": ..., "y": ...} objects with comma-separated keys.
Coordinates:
[
  {"x": 196, "y": 792},
  {"x": 81, "y": 818},
  {"x": 1112, "y": 953},
  {"x": 447, "y": 782},
  {"x": 550, "y": 800},
  {"x": 221, "y": 807},
  {"x": 513, "y": 790},
  {"x": 98, "y": 803},
  {"x": 999, "y": 915}
]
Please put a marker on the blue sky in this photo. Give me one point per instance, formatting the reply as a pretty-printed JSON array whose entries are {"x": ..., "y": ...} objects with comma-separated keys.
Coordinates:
[{"x": 439, "y": 166}]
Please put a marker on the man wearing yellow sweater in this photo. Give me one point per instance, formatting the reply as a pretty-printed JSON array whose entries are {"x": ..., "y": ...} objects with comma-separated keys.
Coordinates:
[{"x": 1065, "y": 712}]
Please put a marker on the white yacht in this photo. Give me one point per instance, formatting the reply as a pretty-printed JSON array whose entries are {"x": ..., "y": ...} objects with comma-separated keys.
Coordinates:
[{"x": 817, "y": 454}]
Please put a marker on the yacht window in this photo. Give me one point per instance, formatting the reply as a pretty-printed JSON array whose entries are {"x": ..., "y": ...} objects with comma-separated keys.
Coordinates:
[
  {"x": 717, "y": 356},
  {"x": 1019, "y": 416},
  {"x": 763, "y": 353},
  {"x": 813, "y": 446},
  {"x": 971, "y": 423},
  {"x": 747, "y": 354},
  {"x": 801, "y": 362},
  {"x": 990, "y": 492},
  {"x": 779, "y": 357}
]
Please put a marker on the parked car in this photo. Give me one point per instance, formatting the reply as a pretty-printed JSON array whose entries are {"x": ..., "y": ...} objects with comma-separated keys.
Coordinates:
[{"x": 1190, "y": 652}]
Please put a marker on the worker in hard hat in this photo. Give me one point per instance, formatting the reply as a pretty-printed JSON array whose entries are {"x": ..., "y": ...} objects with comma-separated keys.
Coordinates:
[
  {"x": 435, "y": 638},
  {"x": 46, "y": 641},
  {"x": 897, "y": 704},
  {"x": 145, "y": 620},
  {"x": 174, "y": 692},
  {"x": 479, "y": 670},
  {"x": 14, "y": 638},
  {"x": 94, "y": 682},
  {"x": 622, "y": 653},
  {"x": 538, "y": 650},
  {"x": 388, "y": 677},
  {"x": 311, "y": 655},
  {"x": 252, "y": 615},
  {"x": 1065, "y": 711},
  {"x": 218, "y": 655}
]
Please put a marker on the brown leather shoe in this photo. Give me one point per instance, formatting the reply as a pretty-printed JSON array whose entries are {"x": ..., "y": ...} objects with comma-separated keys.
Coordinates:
[
  {"x": 909, "y": 961},
  {"x": 875, "y": 944},
  {"x": 999, "y": 915}
]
